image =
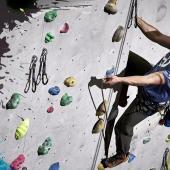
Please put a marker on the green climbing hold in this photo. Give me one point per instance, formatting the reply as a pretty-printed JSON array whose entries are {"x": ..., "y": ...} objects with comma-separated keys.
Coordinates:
[
  {"x": 50, "y": 16},
  {"x": 168, "y": 138},
  {"x": 49, "y": 37},
  {"x": 45, "y": 147},
  {"x": 14, "y": 101},
  {"x": 66, "y": 100}
]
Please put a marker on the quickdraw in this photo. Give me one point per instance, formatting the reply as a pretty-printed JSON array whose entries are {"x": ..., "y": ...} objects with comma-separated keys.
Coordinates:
[
  {"x": 42, "y": 75},
  {"x": 31, "y": 75}
]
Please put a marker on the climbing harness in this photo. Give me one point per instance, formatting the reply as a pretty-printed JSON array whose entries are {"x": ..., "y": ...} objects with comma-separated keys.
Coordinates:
[
  {"x": 31, "y": 75},
  {"x": 133, "y": 5},
  {"x": 42, "y": 75},
  {"x": 133, "y": 13}
]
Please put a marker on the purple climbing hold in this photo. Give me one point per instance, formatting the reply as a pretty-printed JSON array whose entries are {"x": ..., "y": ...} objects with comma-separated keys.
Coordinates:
[
  {"x": 55, "y": 166},
  {"x": 54, "y": 90},
  {"x": 131, "y": 157}
]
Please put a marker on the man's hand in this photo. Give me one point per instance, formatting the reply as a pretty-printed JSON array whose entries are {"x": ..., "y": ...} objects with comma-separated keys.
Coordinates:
[{"x": 112, "y": 80}]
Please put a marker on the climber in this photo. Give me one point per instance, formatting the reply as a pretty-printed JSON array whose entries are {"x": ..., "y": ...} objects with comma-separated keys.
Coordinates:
[{"x": 153, "y": 94}]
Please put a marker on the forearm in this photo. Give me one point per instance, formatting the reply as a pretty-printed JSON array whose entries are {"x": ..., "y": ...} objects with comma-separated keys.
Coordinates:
[
  {"x": 148, "y": 30},
  {"x": 151, "y": 79}
]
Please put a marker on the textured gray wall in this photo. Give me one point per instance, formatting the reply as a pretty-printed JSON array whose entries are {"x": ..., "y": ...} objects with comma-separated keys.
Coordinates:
[{"x": 85, "y": 51}]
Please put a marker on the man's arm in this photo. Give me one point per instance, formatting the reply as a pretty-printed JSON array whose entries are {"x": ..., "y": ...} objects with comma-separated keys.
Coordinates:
[
  {"x": 153, "y": 34},
  {"x": 156, "y": 78}
]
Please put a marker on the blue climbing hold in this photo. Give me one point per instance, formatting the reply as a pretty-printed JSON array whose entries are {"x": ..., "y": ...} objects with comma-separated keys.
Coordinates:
[
  {"x": 131, "y": 157},
  {"x": 110, "y": 72},
  {"x": 55, "y": 166},
  {"x": 54, "y": 90},
  {"x": 4, "y": 165}
]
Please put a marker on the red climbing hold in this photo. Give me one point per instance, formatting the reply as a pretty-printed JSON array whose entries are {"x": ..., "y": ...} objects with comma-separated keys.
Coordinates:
[
  {"x": 162, "y": 122},
  {"x": 50, "y": 109},
  {"x": 65, "y": 28},
  {"x": 16, "y": 164}
]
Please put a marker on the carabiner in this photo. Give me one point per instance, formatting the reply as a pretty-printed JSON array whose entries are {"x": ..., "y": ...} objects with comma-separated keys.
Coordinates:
[{"x": 44, "y": 79}]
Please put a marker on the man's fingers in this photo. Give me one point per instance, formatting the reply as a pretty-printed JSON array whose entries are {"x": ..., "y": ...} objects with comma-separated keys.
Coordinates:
[{"x": 107, "y": 80}]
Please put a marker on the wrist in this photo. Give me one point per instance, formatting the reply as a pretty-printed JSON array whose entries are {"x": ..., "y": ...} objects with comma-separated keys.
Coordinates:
[{"x": 120, "y": 79}]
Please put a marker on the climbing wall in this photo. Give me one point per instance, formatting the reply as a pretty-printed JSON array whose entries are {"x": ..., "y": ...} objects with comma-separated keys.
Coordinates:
[{"x": 86, "y": 50}]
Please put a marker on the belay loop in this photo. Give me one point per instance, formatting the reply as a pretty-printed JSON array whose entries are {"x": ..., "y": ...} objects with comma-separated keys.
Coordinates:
[
  {"x": 42, "y": 75},
  {"x": 31, "y": 75}
]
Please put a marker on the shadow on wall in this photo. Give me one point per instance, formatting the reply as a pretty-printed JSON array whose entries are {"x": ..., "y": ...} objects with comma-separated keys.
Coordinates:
[{"x": 10, "y": 12}]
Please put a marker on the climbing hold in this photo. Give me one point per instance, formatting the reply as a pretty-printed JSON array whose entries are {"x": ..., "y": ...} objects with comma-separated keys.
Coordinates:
[
  {"x": 110, "y": 72},
  {"x": 50, "y": 16},
  {"x": 146, "y": 140},
  {"x": 49, "y": 37},
  {"x": 64, "y": 28},
  {"x": 54, "y": 90},
  {"x": 50, "y": 109},
  {"x": 111, "y": 7},
  {"x": 99, "y": 125},
  {"x": 14, "y": 101},
  {"x": 161, "y": 122},
  {"x": 22, "y": 129},
  {"x": 4, "y": 165},
  {"x": 118, "y": 34},
  {"x": 16, "y": 164},
  {"x": 131, "y": 157},
  {"x": 45, "y": 147},
  {"x": 100, "y": 166},
  {"x": 22, "y": 10},
  {"x": 55, "y": 166},
  {"x": 66, "y": 100},
  {"x": 70, "y": 81},
  {"x": 168, "y": 138},
  {"x": 101, "y": 109},
  {"x": 24, "y": 168}
]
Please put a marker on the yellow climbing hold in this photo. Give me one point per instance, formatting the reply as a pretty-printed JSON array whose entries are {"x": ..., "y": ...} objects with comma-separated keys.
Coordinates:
[
  {"x": 70, "y": 81},
  {"x": 22, "y": 10},
  {"x": 168, "y": 138},
  {"x": 99, "y": 125},
  {"x": 103, "y": 108},
  {"x": 22, "y": 129},
  {"x": 100, "y": 166}
]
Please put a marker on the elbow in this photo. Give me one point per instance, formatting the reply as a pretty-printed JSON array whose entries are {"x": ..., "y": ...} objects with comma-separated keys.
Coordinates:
[{"x": 156, "y": 78}]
